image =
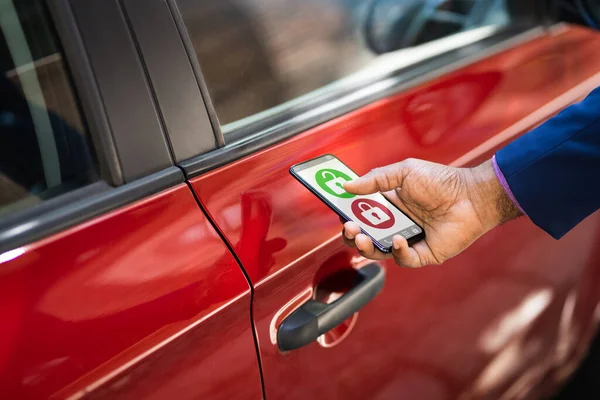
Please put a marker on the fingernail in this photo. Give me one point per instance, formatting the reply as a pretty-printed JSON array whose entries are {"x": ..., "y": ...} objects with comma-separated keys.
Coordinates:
[{"x": 395, "y": 242}]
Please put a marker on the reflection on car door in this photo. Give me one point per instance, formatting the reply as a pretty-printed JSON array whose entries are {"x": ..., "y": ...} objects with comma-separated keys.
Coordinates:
[
  {"x": 515, "y": 308},
  {"x": 144, "y": 302}
]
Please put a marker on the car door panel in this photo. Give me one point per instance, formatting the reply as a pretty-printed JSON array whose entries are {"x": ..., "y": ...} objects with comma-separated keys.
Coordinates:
[
  {"x": 144, "y": 301},
  {"x": 514, "y": 308}
]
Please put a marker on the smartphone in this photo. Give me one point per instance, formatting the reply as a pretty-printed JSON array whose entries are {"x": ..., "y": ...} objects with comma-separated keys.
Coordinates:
[{"x": 377, "y": 217}]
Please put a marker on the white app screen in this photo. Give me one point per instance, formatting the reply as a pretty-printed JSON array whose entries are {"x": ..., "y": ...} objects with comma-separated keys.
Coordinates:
[{"x": 374, "y": 213}]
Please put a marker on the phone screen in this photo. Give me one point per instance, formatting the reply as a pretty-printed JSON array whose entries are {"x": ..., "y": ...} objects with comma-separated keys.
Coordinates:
[{"x": 379, "y": 218}]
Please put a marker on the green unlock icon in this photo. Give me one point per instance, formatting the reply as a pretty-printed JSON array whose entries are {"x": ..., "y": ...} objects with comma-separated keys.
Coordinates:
[{"x": 332, "y": 181}]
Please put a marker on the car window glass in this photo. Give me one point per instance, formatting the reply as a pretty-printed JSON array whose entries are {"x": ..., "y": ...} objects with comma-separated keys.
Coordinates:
[
  {"x": 43, "y": 143},
  {"x": 260, "y": 55}
]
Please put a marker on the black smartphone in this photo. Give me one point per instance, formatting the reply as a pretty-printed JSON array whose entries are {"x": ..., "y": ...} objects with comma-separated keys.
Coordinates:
[{"x": 377, "y": 216}]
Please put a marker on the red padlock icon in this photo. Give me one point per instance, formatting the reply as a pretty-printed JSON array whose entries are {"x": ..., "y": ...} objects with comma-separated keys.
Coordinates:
[{"x": 372, "y": 213}]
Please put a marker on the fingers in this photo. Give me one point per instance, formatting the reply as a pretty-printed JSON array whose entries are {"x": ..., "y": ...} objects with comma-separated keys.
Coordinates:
[
  {"x": 404, "y": 255},
  {"x": 354, "y": 238},
  {"x": 378, "y": 180},
  {"x": 351, "y": 229},
  {"x": 367, "y": 249}
]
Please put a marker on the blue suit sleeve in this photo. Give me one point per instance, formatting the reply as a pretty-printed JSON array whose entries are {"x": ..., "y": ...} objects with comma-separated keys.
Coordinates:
[{"x": 554, "y": 170}]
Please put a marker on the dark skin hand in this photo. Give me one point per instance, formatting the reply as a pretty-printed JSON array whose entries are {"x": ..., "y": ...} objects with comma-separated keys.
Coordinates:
[{"x": 455, "y": 206}]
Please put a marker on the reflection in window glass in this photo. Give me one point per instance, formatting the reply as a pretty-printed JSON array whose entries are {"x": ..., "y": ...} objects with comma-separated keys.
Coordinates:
[
  {"x": 43, "y": 147},
  {"x": 259, "y": 54}
]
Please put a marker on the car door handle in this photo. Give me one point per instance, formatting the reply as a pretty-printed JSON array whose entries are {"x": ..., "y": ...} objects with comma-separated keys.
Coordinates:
[{"x": 314, "y": 318}]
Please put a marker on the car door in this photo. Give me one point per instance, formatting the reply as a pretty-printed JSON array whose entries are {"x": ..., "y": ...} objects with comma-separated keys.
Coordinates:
[
  {"x": 113, "y": 283},
  {"x": 287, "y": 81}
]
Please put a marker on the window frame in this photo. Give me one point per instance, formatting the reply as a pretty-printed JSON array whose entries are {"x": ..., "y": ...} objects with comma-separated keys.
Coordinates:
[
  {"x": 173, "y": 70},
  {"x": 274, "y": 128},
  {"x": 132, "y": 151}
]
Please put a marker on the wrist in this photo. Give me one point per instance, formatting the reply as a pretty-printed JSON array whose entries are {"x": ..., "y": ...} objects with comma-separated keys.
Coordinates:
[{"x": 490, "y": 201}]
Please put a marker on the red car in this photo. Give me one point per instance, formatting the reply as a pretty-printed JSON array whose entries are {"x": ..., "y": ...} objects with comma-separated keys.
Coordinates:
[{"x": 152, "y": 241}]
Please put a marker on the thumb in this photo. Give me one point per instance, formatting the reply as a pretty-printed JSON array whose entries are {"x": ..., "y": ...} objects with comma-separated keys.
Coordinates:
[{"x": 377, "y": 180}]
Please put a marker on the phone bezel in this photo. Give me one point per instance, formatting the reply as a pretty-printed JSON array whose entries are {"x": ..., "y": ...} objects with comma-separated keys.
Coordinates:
[{"x": 385, "y": 249}]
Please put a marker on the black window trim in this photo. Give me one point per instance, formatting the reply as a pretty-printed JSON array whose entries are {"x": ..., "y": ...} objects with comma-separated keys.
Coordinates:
[
  {"x": 117, "y": 186},
  {"x": 189, "y": 48},
  {"x": 127, "y": 98},
  {"x": 172, "y": 73}
]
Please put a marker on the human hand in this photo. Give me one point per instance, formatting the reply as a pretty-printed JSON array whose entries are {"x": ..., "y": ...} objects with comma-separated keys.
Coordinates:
[{"x": 455, "y": 206}]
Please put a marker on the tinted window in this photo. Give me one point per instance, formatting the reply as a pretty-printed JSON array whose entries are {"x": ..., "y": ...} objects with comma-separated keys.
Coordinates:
[
  {"x": 260, "y": 54},
  {"x": 43, "y": 144}
]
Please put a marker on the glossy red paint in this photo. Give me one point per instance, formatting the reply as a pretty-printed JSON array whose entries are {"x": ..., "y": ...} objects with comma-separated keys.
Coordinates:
[
  {"x": 148, "y": 291},
  {"x": 515, "y": 308}
]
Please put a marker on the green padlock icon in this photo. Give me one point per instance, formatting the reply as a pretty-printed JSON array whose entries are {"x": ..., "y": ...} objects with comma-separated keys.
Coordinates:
[
  {"x": 335, "y": 183},
  {"x": 332, "y": 182}
]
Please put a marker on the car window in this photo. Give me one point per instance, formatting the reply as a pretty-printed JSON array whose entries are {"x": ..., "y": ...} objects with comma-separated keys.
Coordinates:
[
  {"x": 260, "y": 56},
  {"x": 44, "y": 147}
]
